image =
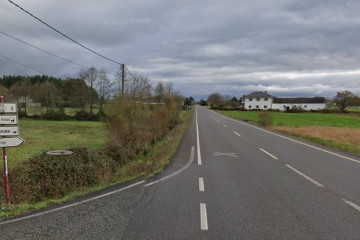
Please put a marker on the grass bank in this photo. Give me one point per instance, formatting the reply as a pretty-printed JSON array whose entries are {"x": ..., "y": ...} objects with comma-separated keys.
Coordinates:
[
  {"x": 340, "y": 131},
  {"x": 144, "y": 164}
]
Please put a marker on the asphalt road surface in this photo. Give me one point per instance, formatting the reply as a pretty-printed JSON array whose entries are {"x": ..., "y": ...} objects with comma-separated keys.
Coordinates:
[{"x": 228, "y": 180}]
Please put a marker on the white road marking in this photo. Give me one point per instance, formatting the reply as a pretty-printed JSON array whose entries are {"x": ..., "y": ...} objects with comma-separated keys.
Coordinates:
[
  {"x": 237, "y": 133},
  {"x": 217, "y": 121},
  {"x": 303, "y": 175},
  {"x": 224, "y": 125},
  {"x": 203, "y": 217},
  {"x": 357, "y": 207},
  {"x": 198, "y": 141},
  {"x": 292, "y": 140},
  {"x": 71, "y": 205},
  {"x": 269, "y": 154},
  {"x": 225, "y": 154},
  {"x": 177, "y": 172},
  {"x": 201, "y": 185}
]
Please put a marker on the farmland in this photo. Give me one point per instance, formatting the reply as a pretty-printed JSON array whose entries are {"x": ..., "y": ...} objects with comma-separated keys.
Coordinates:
[
  {"x": 41, "y": 135},
  {"x": 339, "y": 131},
  {"x": 300, "y": 119}
]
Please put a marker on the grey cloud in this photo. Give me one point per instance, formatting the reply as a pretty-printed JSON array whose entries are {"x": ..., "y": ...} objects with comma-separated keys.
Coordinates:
[{"x": 291, "y": 48}]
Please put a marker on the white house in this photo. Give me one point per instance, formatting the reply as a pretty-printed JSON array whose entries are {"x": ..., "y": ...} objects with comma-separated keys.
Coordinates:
[
  {"x": 258, "y": 100},
  {"x": 265, "y": 101},
  {"x": 308, "y": 104}
]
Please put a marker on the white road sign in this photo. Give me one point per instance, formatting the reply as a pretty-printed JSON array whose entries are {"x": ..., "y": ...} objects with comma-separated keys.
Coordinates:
[
  {"x": 8, "y": 108},
  {"x": 9, "y": 131},
  {"x": 11, "y": 142},
  {"x": 8, "y": 119}
]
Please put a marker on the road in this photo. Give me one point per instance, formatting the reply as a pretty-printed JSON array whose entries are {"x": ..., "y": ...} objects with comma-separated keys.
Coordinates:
[{"x": 228, "y": 180}]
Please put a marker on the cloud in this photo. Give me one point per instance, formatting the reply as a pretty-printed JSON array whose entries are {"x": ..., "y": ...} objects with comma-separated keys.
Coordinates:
[{"x": 290, "y": 48}]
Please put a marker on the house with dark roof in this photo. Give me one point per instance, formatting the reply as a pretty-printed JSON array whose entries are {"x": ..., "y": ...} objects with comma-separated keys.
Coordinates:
[
  {"x": 264, "y": 101},
  {"x": 308, "y": 104},
  {"x": 258, "y": 100}
]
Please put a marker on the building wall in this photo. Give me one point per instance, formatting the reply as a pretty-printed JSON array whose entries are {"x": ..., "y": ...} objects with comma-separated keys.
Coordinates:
[
  {"x": 305, "y": 106},
  {"x": 258, "y": 103}
]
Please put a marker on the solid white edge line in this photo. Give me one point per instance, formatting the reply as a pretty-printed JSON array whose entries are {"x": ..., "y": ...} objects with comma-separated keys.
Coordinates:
[
  {"x": 304, "y": 176},
  {"x": 201, "y": 185},
  {"x": 268, "y": 154},
  {"x": 237, "y": 133},
  {"x": 224, "y": 125},
  {"x": 198, "y": 140},
  {"x": 177, "y": 172},
  {"x": 203, "y": 217},
  {"x": 357, "y": 207},
  {"x": 292, "y": 140},
  {"x": 71, "y": 205}
]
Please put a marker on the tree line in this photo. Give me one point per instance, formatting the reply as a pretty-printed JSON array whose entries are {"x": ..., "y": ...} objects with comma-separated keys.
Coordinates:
[{"x": 91, "y": 90}]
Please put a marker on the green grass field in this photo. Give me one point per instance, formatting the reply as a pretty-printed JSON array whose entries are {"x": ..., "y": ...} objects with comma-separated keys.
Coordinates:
[
  {"x": 300, "y": 119},
  {"x": 41, "y": 135}
]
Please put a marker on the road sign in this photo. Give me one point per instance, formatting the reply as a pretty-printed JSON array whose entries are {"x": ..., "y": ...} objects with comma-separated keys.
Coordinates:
[
  {"x": 11, "y": 142},
  {"x": 8, "y": 108},
  {"x": 9, "y": 131},
  {"x": 10, "y": 119}
]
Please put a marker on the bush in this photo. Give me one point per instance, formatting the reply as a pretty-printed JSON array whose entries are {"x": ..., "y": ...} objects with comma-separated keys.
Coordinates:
[
  {"x": 135, "y": 126},
  {"x": 85, "y": 116},
  {"x": 55, "y": 115},
  {"x": 265, "y": 118},
  {"x": 46, "y": 176}
]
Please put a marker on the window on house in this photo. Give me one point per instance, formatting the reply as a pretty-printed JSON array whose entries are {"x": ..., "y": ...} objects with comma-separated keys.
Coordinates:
[
  {"x": 258, "y": 99},
  {"x": 265, "y": 107},
  {"x": 250, "y": 99},
  {"x": 249, "y": 106},
  {"x": 265, "y": 99},
  {"x": 257, "y": 106},
  {"x": 305, "y": 106}
]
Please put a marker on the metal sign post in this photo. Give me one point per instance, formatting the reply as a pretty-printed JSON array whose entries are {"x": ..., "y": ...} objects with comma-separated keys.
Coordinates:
[
  {"x": 9, "y": 136},
  {"x": 6, "y": 173}
]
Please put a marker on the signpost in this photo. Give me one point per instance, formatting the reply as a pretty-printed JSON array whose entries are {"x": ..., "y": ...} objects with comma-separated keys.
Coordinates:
[{"x": 9, "y": 132}]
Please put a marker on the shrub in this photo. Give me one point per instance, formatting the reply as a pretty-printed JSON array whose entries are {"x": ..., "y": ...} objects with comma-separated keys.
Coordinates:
[
  {"x": 135, "y": 126},
  {"x": 46, "y": 176},
  {"x": 265, "y": 118}
]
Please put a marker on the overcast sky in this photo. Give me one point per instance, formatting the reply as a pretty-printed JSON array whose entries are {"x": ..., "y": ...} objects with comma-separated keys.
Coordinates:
[{"x": 234, "y": 47}]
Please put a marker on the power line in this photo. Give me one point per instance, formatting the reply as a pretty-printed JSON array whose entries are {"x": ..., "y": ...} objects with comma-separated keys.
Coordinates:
[
  {"x": 23, "y": 65},
  {"x": 129, "y": 71},
  {"x": 64, "y": 35},
  {"x": 52, "y": 54}
]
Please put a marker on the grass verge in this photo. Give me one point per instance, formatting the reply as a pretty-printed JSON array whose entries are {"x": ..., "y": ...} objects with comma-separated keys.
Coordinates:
[{"x": 145, "y": 164}]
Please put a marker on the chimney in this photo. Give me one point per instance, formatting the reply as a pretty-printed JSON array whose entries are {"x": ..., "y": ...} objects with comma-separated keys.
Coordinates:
[{"x": 265, "y": 91}]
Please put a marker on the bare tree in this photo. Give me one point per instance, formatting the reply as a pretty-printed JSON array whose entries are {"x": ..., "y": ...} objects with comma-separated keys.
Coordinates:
[
  {"x": 21, "y": 93},
  {"x": 118, "y": 79},
  {"x": 215, "y": 98},
  {"x": 159, "y": 92},
  {"x": 138, "y": 87},
  {"x": 48, "y": 95},
  {"x": 104, "y": 88},
  {"x": 90, "y": 76}
]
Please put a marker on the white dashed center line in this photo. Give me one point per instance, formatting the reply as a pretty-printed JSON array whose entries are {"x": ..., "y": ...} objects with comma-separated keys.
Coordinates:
[
  {"x": 304, "y": 176},
  {"x": 357, "y": 207},
  {"x": 237, "y": 133},
  {"x": 201, "y": 185},
  {"x": 203, "y": 217},
  {"x": 269, "y": 154},
  {"x": 224, "y": 125}
]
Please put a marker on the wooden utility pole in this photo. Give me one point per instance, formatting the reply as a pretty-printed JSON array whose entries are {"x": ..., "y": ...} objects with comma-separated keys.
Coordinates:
[{"x": 122, "y": 79}]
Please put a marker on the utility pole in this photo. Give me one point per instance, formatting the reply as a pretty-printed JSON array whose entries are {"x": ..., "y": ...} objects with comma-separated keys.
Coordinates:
[{"x": 122, "y": 79}]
